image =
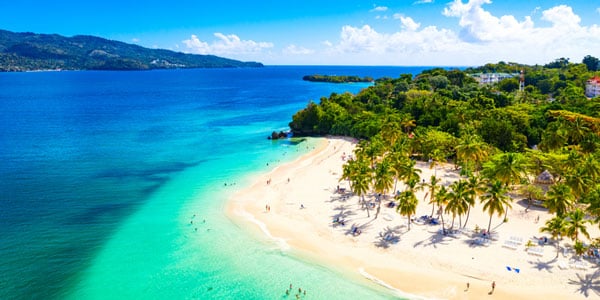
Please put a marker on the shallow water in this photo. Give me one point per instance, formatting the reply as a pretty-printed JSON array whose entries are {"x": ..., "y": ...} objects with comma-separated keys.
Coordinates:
[{"x": 102, "y": 173}]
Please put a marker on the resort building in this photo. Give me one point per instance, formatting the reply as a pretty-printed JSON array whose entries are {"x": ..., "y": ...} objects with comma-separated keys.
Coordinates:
[
  {"x": 491, "y": 78},
  {"x": 592, "y": 87}
]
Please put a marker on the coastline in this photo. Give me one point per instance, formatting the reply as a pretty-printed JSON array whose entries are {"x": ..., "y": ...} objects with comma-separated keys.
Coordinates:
[{"x": 423, "y": 263}]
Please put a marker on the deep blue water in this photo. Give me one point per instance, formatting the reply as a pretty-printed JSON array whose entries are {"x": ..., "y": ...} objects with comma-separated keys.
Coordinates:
[{"x": 84, "y": 153}]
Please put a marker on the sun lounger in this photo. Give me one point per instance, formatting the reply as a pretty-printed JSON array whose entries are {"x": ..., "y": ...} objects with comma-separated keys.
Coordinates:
[
  {"x": 562, "y": 265},
  {"x": 511, "y": 244},
  {"x": 580, "y": 265},
  {"x": 536, "y": 251}
]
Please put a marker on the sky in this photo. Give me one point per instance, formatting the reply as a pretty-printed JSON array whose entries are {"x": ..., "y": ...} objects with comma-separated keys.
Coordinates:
[{"x": 349, "y": 32}]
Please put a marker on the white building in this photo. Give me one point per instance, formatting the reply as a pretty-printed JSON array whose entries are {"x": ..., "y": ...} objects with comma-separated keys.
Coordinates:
[
  {"x": 491, "y": 78},
  {"x": 592, "y": 87}
]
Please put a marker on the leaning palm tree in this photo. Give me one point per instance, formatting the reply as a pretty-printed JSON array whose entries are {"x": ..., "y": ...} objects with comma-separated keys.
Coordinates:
[
  {"x": 432, "y": 187},
  {"x": 576, "y": 225},
  {"x": 407, "y": 204},
  {"x": 383, "y": 179},
  {"x": 559, "y": 199},
  {"x": 556, "y": 228},
  {"x": 495, "y": 200},
  {"x": 475, "y": 187},
  {"x": 441, "y": 199}
]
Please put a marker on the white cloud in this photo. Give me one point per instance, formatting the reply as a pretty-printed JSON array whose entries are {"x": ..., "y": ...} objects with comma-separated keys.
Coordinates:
[
  {"x": 135, "y": 40},
  {"x": 296, "y": 50},
  {"x": 561, "y": 16},
  {"x": 424, "y": 1},
  {"x": 225, "y": 45},
  {"x": 598, "y": 10},
  {"x": 482, "y": 37},
  {"x": 409, "y": 24},
  {"x": 379, "y": 8},
  {"x": 479, "y": 25}
]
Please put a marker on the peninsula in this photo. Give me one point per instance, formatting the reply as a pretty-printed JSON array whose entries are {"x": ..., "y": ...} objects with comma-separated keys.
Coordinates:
[{"x": 336, "y": 78}]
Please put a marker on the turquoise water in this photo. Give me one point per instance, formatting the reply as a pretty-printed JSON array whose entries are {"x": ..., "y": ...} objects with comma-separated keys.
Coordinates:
[{"x": 103, "y": 172}]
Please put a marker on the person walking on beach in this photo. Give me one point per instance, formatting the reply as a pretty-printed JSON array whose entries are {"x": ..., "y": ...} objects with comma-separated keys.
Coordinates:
[{"x": 493, "y": 286}]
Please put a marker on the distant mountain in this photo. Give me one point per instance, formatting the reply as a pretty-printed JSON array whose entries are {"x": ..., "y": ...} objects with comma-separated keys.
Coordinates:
[{"x": 29, "y": 51}]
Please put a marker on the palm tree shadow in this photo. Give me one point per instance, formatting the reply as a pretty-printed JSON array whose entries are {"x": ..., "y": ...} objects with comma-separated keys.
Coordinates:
[
  {"x": 587, "y": 283},
  {"x": 543, "y": 265},
  {"x": 388, "y": 236},
  {"x": 434, "y": 240},
  {"x": 356, "y": 230}
]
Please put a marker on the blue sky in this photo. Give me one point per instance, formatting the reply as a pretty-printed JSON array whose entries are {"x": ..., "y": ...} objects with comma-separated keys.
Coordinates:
[{"x": 350, "y": 32}]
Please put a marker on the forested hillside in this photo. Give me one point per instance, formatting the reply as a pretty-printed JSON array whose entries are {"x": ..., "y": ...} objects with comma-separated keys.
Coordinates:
[{"x": 30, "y": 51}]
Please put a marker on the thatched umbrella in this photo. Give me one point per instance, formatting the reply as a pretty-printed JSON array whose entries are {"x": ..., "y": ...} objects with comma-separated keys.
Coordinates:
[{"x": 544, "y": 178}]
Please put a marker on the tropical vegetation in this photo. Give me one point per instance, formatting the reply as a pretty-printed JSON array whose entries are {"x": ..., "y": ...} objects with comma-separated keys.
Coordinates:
[{"x": 500, "y": 136}]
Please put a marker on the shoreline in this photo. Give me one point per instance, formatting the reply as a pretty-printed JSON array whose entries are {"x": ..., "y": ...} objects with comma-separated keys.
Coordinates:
[{"x": 422, "y": 264}]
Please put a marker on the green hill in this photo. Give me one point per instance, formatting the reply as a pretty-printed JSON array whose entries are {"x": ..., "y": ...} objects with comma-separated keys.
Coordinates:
[{"x": 29, "y": 51}]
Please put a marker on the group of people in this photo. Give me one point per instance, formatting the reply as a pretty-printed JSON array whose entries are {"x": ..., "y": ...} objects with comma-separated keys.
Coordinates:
[{"x": 300, "y": 293}]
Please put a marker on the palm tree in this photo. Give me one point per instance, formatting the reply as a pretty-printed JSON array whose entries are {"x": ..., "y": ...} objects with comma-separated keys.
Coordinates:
[
  {"x": 441, "y": 199},
  {"x": 407, "y": 204},
  {"x": 579, "y": 248},
  {"x": 432, "y": 185},
  {"x": 559, "y": 199},
  {"x": 458, "y": 202},
  {"x": 577, "y": 129},
  {"x": 399, "y": 162},
  {"x": 578, "y": 181},
  {"x": 471, "y": 151},
  {"x": 383, "y": 179},
  {"x": 495, "y": 200},
  {"x": 556, "y": 228},
  {"x": 593, "y": 198},
  {"x": 508, "y": 168},
  {"x": 591, "y": 167},
  {"x": 576, "y": 224},
  {"x": 361, "y": 179},
  {"x": 475, "y": 188}
]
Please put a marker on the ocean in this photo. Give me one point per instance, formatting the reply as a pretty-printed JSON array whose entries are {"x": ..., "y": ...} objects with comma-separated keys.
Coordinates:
[{"x": 113, "y": 184}]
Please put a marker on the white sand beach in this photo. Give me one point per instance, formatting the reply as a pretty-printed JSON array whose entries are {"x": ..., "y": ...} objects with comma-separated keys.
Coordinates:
[{"x": 421, "y": 261}]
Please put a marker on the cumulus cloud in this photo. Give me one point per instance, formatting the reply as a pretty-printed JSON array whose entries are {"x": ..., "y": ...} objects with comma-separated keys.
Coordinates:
[
  {"x": 407, "y": 22},
  {"x": 482, "y": 37},
  {"x": 296, "y": 50},
  {"x": 225, "y": 44},
  {"x": 561, "y": 16}
]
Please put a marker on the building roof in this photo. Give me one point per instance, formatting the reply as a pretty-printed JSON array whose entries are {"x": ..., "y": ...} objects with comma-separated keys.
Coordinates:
[{"x": 595, "y": 80}]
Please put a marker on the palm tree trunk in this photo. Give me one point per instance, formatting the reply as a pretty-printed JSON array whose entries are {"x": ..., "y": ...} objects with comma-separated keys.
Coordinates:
[
  {"x": 442, "y": 217},
  {"x": 490, "y": 224},
  {"x": 432, "y": 209},
  {"x": 409, "y": 222},
  {"x": 366, "y": 206},
  {"x": 467, "y": 219},
  {"x": 378, "y": 206}
]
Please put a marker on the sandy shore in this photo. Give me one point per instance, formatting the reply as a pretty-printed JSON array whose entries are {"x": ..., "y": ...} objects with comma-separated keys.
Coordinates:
[{"x": 421, "y": 261}]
